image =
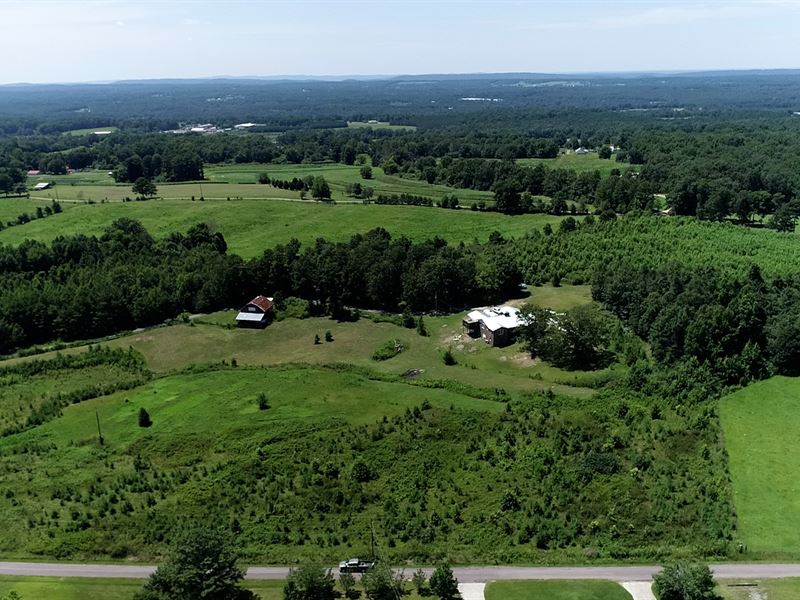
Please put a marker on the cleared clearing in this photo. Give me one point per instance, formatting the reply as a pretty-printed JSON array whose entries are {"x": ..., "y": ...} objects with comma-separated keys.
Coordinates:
[{"x": 761, "y": 425}]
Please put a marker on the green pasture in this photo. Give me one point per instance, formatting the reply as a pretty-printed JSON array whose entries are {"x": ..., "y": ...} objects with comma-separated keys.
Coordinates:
[
  {"x": 90, "y": 130},
  {"x": 762, "y": 424},
  {"x": 251, "y": 226},
  {"x": 241, "y": 180},
  {"x": 11, "y": 208},
  {"x": 379, "y": 125},
  {"x": 560, "y": 298},
  {"x": 577, "y": 162},
  {"x": 555, "y": 590},
  {"x": 76, "y": 178},
  {"x": 338, "y": 176}
]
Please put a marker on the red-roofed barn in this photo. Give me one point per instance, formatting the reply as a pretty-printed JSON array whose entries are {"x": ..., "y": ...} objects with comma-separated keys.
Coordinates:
[{"x": 255, "y": 313}]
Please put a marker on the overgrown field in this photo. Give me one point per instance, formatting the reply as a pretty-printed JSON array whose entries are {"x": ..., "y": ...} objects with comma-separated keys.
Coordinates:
[
  {"x": 762, "y": 425},
  {"x": 34, "y": 392},
  {"x": 477, "y": 462},
  {"x": 440, "y": 469},
  {"x": 650, "y": 241}
]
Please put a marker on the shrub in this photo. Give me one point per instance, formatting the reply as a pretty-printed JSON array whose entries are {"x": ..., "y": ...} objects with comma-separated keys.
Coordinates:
[
  {"x": 448, "y": 358},
  {"x": 348, "y": 585},
  {"x": 421, "y": 329},
  {"x": 310, "y": 582},
  {"x": 263, "y": 404},
  {"x": 420, "y": 582},
  {"x": 388, "y": 350},
  {"x": 443, "y": 582},
  {"x": 328, "y": 336},
  {"x": 144, "y": 418},
  {"x": 684, "y": 581}
]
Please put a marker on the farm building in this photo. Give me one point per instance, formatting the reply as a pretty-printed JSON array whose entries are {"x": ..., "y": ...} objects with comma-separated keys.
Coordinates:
[
  {"x": 255, "y": 313},
  {"x": 497, "y": 326},
  {"x": 581, "y": 151},
  {"x": 42, "y": 186}
]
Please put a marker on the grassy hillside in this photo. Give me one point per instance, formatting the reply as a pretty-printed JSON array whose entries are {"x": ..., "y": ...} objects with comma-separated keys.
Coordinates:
[
  {"x": 555, "y": 590},
  {"x": 213, "y": 338},
  {"x": 11, "y": 208},
  {"x": 762, "y": 425},
  {"x": 443, "y": 461},
  {"x": 250, "y": 226}
]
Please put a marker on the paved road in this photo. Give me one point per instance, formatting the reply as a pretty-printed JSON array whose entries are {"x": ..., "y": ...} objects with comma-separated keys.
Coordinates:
[{"x": 464, "y": 574}]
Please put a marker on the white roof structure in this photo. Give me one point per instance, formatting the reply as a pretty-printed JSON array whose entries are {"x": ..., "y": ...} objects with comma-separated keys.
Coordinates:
[
  {"x": 494, "y": 318},
  {"x": 248, "y": 316},
  {"x": 42, "y": 186}
]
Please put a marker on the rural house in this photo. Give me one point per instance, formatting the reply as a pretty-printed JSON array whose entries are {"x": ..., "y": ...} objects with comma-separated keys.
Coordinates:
[
  {"x": 256, "y": 313},
  {"x": 497, "y": 326}
]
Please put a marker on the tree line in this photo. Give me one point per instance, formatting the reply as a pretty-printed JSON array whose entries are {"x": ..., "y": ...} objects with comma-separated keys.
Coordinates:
[{"x": 80, "y": 287}]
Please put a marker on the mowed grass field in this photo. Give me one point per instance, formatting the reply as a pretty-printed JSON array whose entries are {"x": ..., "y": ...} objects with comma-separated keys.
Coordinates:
[
  {"x": 85, "y": 588},
  {"x": 555, "y": 590},
  {"x": 241, "y": 180},
  {"x": 762, "y": 425},
  {"x": 577, "y": 162},
  {"x": 764, "y": 589},
  {"x": 251, "y": 226},
  {"x": 91, "y": 130}
]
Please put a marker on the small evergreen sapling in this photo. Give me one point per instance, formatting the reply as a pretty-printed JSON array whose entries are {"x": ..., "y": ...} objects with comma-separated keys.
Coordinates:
[{"x": 144, "y": 418}]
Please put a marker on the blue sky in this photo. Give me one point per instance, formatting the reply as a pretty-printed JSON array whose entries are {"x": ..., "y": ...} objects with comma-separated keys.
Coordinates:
[{"x": 56, "y": 41}]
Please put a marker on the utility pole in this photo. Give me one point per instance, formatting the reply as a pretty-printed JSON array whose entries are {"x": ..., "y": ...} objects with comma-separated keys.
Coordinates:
[
  {"x": 99, "y": 434},
  {"x": 372, "y": 539}
]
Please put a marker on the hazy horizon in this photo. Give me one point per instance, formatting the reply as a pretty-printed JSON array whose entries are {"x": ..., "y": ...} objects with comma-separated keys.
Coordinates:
[{"x": 114, "y": 40}]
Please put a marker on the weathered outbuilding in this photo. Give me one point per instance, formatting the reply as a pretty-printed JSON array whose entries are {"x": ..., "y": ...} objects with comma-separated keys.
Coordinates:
[{"x": 256, "y": 313}]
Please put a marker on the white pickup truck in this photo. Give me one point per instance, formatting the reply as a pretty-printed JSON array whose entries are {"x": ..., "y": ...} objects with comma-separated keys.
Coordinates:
[{"x": 355, "y": 565}]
